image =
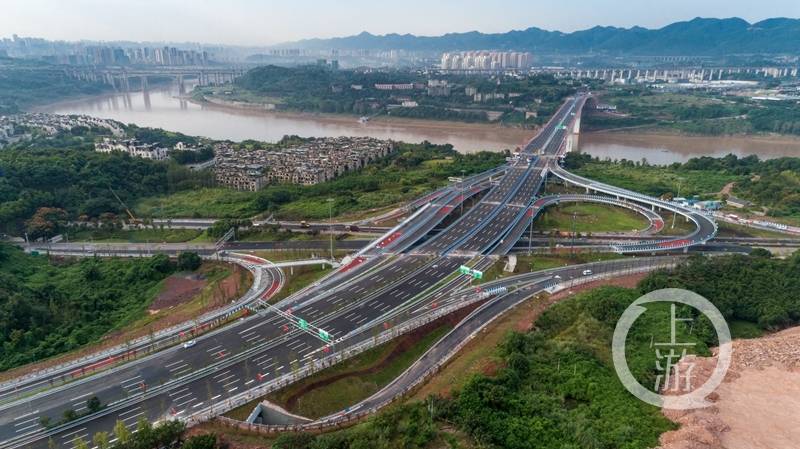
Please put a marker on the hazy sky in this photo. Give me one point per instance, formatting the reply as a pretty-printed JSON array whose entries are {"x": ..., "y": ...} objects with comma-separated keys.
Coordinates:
[{"x": 262, "y": 22}]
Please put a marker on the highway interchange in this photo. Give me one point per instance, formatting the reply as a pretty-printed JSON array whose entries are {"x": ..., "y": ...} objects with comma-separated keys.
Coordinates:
[{"x": 402, "y": 276}]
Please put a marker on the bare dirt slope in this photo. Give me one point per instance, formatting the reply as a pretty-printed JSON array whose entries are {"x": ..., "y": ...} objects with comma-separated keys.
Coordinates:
[{"x": 758, "y": 405}]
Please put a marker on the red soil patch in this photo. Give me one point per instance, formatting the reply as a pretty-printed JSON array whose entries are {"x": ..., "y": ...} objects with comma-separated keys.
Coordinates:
[
  {"x": 755, "y": 407},
  {"x": 177, "y": 290}
]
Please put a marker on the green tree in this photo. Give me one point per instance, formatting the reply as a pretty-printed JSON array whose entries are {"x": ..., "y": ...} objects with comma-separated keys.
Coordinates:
[
  {"x": 122, "y": 433},
  {"x": 207, "y": 441},
  {"x": 101, "y": 440},
  {"x": 189, "y": 261},
  {"x": 93, "y": 404},
  {"x": 46, "y": 222},
  {"x": 79, "y": 443}
]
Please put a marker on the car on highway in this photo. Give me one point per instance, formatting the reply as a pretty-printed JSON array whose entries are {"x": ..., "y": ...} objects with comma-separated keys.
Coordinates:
[
  {"x": 587, "y": 272},
  {"x": 189, "y": 344}
]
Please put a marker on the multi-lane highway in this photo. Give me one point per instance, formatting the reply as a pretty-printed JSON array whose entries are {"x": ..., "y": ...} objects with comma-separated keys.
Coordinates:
[{"x": 398, "y": 278}]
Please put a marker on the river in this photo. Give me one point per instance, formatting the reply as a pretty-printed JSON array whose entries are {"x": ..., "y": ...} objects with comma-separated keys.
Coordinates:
[
  {"x": 161, "y": 107},
  {"x": 662, "y": 149}
]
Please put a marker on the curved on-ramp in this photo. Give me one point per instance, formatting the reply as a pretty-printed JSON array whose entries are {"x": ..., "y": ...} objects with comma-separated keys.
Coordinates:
[{"x": 705, "y": 226}]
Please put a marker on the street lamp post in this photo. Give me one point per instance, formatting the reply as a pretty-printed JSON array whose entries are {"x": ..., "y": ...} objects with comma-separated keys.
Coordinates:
[
  {"x": 330, "y": 223},
  {"x": 680, "y": 182},
  {"x": 462, "y": 192},
  {"x": 530, "y": 234}
]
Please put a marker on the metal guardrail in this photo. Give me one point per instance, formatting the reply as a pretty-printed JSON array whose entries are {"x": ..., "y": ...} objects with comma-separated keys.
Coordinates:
[
  {"x": 159, "y": 340},
  {"x": 340, "y": 419}
]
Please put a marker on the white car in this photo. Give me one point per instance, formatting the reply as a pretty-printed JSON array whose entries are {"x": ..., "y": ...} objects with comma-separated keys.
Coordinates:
[
  {"x": 587, "y": 272},
  {"x": 189, "y": 344}
]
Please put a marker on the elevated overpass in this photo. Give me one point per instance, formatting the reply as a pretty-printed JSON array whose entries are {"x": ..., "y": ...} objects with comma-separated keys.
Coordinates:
[
  {"x": 387, "y": 287},
  {"x": 705, "y": 226}
]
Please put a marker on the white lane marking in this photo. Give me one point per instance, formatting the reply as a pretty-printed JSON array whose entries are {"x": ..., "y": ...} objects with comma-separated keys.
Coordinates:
[
  {"x": 21, "y": 429},
  {"x": 179, "y": 369},
  {"x": 181, "y": 404},
  {"x": 268, "y": 366},
  {"x": 182, "y": 396},
  {"x": 26, "y": 421},
  {"x": 132, "y": 417},
  {"x": 81, "y": 396},
  {"x": 27, "y": 414},
  {"x": 182, "y": 390},
  {"x": 130, "y": 411},
  {"x": 226, "y": 378},
  {"x": 67, "y": 435},
  {"x": 135, "y": 378},
  {"x": 168, "y": 365}
]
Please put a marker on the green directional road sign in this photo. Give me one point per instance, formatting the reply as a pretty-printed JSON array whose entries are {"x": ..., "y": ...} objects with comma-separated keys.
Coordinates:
[
  {"x": 463, "y": 269},
  {"x": 477, "y": 274},
  {"x": 302, "y": 323},
  {"x": 324, "y": 335}
]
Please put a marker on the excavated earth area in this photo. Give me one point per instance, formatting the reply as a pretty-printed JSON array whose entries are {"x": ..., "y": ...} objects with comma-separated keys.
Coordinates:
[{"x": 756, "y": 407}]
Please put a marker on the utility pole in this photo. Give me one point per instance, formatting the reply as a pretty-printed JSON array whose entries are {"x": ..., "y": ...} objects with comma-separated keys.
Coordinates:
[
  {"x": 572, "y": 250},
  {"x": 462, "y": 192},
  {"x": 330, "y": 224},
  {"x": 530, "y": 234},
  {"x": 680, "y": 182}
]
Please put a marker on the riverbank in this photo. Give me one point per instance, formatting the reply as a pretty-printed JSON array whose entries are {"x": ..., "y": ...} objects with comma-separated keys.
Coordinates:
[
  {"x": 663, "y": 147},
  {"x": 166, "y": 108},
  {"x": 510, "y": 137}
]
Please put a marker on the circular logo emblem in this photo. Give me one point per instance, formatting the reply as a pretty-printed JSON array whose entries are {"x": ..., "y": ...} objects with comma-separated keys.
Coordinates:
[{"x": 667, "y": 354}]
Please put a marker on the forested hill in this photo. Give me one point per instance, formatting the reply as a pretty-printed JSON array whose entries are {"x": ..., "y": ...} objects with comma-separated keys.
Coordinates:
[
  {"x": 25, "y": 83},
  {"x": 699, "y": 36}
]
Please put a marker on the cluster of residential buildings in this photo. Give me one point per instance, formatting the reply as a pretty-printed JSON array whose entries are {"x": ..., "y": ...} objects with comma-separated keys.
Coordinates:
[
  {"x": 161, "y": 56},
  {"x": 135, "y": 148},
  {"x": 486, "y": 60},
  {"x": 312, "y": 162},
  {"x": 98, "y": 53},
  {"x": 19, "y": 127}
]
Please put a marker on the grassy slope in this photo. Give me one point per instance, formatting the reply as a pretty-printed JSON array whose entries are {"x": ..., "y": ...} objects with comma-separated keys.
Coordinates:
[
  {"x": 655, "y": 180},
  {"x": 135, "y": 236},
  {"x": 590, "y": 218},
  {"x": 354, "y": 382},
  {"x": 536, "y": 262}
]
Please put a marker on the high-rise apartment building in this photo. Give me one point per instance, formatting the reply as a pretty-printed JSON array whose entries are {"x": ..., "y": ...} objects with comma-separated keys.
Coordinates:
[{"x": 486, "y": 60}]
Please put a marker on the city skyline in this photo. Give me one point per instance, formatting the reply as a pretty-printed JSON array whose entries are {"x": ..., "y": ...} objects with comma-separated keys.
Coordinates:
[{"x": 254, "y": 23}]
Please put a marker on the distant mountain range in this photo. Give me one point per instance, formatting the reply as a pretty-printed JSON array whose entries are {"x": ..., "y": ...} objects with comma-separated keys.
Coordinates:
[{"x": 700, "y": 36}]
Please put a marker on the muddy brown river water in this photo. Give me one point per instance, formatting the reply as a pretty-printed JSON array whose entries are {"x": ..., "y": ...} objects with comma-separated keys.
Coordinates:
[{"x": 162, "y": 107}]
